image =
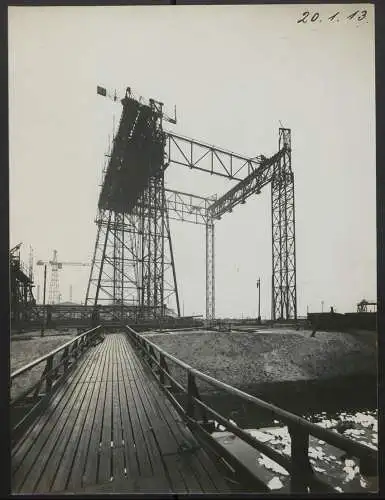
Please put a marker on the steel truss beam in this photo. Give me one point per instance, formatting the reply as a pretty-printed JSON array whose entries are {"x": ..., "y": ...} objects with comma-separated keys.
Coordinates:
[
  {"x": 183, "y": 207},
  {"x": 186, "y": 207},
  {"x": 200, "y": 156},
  {"x": 252, "y": 184}
]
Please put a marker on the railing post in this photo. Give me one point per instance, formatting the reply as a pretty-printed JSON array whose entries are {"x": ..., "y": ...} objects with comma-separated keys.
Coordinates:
[
  {"x": 75, "y": 349},
  {"x": 301, "y": 472},
  {"x": 192, "y": 391},
  {"x": 163, "y": 366},
  {"x": 49, "y": 374},
  {"x": 149, "y": 356},
  {"x": 65, "y": 359},
  {"x": 55, "y": 373}
]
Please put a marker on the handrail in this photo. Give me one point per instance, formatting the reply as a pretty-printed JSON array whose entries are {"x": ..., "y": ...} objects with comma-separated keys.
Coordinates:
[
  {"x": 25, "y": 406},
  {"x": 299, "y": 428},
  {"x": 37, "y": 361}
]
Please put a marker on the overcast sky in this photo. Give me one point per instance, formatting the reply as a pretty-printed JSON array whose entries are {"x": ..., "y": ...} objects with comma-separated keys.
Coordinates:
[{"x": 234, "y": 72}]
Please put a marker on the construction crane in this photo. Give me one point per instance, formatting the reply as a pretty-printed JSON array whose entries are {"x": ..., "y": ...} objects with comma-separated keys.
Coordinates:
[
  {"x": 54, "y": 292},
  {"x": 61, "y": 264}
]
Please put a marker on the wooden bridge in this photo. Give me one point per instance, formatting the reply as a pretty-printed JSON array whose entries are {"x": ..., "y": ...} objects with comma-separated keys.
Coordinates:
[{"x": 108, "y": 416}]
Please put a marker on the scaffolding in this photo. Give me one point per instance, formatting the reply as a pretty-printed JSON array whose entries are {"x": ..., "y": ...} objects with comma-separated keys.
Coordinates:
[{"x": 133, "y": 258}]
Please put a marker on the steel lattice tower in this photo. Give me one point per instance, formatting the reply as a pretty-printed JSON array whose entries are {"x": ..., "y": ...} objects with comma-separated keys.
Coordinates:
[
  {"x": 53, "y": 297},
  {"x": 133, "y": 261},
  {"x": 210, "y": 270},
  {"x": 284, "y": 287}
]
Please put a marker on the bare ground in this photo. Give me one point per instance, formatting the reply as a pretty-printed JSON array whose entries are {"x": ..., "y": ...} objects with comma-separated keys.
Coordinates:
[
  {"x": 263, "y": 357},
  {"x": 30, "y": 348}
]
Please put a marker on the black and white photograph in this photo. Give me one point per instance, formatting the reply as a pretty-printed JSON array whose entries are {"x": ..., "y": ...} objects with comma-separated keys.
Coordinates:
[{"x": 192, "y": 249}]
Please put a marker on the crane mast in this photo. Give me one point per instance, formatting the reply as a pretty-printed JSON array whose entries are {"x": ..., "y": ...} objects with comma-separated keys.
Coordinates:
[{"x": 54, "y": 290}]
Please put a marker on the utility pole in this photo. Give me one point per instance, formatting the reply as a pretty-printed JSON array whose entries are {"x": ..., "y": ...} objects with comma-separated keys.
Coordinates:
[
  {"x": 44, "y": 288},
  {"x": 322, "y": 306},
  {"x": 259, "y": 300}
]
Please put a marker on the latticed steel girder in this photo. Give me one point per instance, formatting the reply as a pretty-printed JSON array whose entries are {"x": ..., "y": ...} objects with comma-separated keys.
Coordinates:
[
  {"x": 252, "y": 184},
  {"x": 183, "y": 207},
  {"x": 207, "y": 158},
  {"x": 145, "y": 219},
  {"x": 187, "y": 207},
  {"x": 277, "y": 171}
]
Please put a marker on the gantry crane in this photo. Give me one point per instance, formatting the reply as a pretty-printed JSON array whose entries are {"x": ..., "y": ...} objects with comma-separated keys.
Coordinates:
[{"x": 54, "y": 283}]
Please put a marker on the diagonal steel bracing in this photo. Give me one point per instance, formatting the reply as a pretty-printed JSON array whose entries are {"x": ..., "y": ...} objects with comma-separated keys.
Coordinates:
[
  {"x": 133, "y": 252},
  {"x": 210, "y": 270},
  {"x": 252, "y": 184},
  {"x": 133, "y": 258},
  {"x": 284, "y": 286},
  {"x": 198, "y": 155}
]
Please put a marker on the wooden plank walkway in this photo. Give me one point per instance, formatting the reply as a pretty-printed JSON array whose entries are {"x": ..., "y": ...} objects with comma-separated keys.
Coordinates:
[{"x": 110, "y": 428}]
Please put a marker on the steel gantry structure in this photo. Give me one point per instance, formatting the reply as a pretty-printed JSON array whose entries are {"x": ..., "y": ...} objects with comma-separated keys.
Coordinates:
[{"x": 133, "y": 259}]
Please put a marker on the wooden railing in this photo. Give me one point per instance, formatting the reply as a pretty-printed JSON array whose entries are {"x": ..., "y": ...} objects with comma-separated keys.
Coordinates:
[
  {"x": 302, "y": 476},
  {"x": 31, "y": 394}
]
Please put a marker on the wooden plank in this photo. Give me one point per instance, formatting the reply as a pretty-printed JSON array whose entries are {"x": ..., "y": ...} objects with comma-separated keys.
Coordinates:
[
  {"x": 164, "y": 429},
  {"x": 154, "y": 453},
  {"x": 209, "y": 476},
  {"x": 133, "y": 425},
  {"x": 154, "y": 484},
  {"x": 43, "y": 452},
  {"x": 66, "y": 465},
  {"x": 119, "y": 469},
  {"x": 28, "y": 438},
  {"x": 63, "y": 440},
  {"x": 129, "y": 450},
  {"x": 105, "y": 451},
  {"x": 32, "y": 450},
  {"x": 203, "y": 467},
  {"x": 91, "y": 464},
  {"x": 76, "y": 475},
  {"x": 165, "y": 441}
]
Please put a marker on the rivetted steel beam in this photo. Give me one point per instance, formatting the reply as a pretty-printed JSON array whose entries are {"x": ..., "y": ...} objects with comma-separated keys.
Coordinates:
[
  {"x": 187, "y": 207},
  {"x": 253, "y": 183},
  {"x": 207, "y": 158}
]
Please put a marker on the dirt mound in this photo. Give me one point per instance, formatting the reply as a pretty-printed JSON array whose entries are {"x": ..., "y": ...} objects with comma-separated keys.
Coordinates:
[{"x": 244, "y": 358}]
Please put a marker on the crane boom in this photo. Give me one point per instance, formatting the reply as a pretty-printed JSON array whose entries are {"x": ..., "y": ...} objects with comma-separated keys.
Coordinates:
[
  {"x": 60, "y": 264},
  {"x": 73, "y": 263}
]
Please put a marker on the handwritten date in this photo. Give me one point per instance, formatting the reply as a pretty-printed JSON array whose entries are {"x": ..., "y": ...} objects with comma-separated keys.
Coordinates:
[{"x": 358, "y": 15}]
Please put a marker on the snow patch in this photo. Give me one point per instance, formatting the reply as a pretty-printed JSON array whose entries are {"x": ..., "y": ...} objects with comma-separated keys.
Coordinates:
[
  {"x": 261, "y": 436},
  {"x": 275, "y": 483},
  {"x": 271, "y": 465}
]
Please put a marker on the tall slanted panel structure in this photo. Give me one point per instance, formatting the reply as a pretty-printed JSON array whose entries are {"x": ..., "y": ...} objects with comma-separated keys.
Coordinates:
[{"x": 132, "y": 267}]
